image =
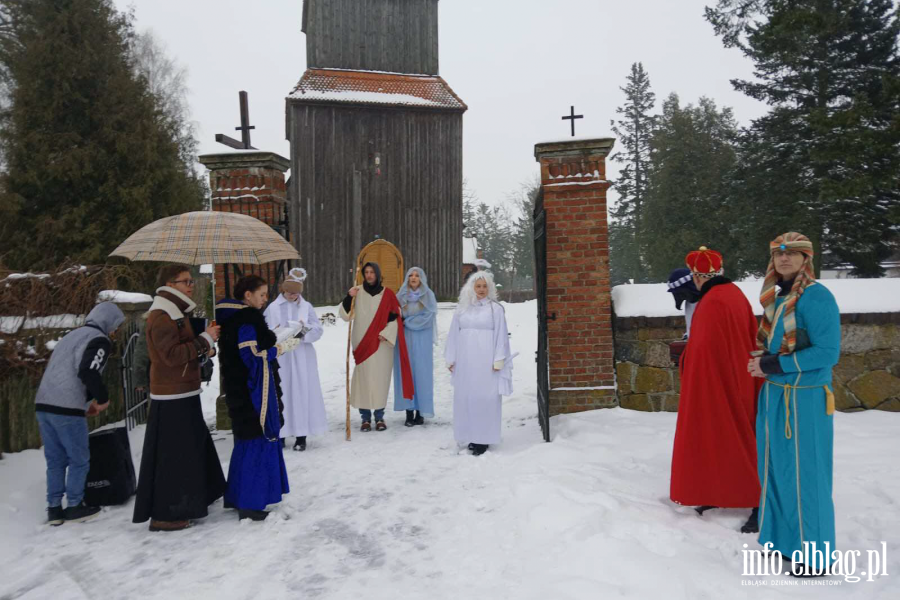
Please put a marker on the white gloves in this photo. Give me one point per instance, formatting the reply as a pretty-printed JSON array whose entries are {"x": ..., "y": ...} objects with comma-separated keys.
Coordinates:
[{"x": 287, "y": 345}]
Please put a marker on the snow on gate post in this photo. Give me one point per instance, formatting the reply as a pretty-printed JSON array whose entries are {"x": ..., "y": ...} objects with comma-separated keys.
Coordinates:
[
  {"x": 249, "y": 182},
  {"x": 580, "y": 346}
]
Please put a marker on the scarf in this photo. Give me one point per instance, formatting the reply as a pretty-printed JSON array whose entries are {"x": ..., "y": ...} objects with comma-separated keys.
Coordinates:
[
  {"x": 373, "y": 289},
  {"x": 788, "y": 241}
]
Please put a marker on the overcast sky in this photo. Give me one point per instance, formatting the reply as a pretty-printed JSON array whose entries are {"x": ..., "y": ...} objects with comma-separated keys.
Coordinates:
[{"x": 518, "y": 64}]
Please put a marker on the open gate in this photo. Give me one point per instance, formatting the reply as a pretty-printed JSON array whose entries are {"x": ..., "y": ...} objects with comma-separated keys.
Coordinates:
[
  {"x": 540, "y": 282},
  {"x": 137, "y": 404}
]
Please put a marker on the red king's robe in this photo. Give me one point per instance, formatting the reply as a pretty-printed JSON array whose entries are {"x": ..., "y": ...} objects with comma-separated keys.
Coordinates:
[{"x": 714, "y": 456}]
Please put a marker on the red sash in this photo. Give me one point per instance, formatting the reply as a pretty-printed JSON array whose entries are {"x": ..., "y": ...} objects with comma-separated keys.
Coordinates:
[{"x": 370, "y": 342}]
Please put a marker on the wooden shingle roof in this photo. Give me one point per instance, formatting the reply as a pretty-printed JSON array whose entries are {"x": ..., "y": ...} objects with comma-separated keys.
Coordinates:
[{"x": 334, "y": 86}]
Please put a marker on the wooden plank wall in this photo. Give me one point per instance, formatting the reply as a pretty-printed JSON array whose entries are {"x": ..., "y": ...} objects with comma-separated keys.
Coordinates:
[
  {"x": 399, "y": 36},
  {"x": 416, "y": 202}
]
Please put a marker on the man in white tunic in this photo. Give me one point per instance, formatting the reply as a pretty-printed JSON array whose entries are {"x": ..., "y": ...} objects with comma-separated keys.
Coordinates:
[
  {"x": 478, "y": 354},
  {"x": 375, "y": 315},
  {"x": 304, "y": 406}
]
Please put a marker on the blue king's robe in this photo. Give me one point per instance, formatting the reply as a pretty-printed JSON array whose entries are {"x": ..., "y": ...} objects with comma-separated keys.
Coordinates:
[
  {"x": 256, "y": 475},
  {"x": 795, "y": 429}
]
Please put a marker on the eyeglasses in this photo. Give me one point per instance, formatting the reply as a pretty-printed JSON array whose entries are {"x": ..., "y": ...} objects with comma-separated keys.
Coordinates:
[{"x": 187, "y": 282}]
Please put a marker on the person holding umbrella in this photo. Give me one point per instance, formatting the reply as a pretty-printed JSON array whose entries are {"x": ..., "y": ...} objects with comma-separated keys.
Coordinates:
[{"x": 180, "y": 474}]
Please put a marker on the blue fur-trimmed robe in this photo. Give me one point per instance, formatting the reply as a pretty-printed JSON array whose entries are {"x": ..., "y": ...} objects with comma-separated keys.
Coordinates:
[
  {"x": 795, "y": 433},
  {"x": 257, "y": 475}
]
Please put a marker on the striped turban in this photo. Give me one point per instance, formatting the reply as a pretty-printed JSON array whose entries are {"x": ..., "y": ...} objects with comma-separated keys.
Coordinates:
[{"x": 785, "y": 242}]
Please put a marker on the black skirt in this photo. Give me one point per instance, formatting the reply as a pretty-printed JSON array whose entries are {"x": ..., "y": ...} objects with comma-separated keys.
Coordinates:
[{"x": 180, "y": 470}]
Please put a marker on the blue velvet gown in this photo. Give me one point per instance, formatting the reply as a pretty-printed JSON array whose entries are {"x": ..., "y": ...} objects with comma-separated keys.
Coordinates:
[{"x": 256, "y": 475}]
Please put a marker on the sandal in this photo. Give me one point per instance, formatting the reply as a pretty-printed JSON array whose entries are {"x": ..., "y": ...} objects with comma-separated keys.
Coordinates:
[
  {"x": 366, "y": 426},
  {"x": 380, "y": 426}
]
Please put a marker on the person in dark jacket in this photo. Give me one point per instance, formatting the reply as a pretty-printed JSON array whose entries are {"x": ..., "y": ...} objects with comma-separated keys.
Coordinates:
[
  {"x": 71, "y": 389},
  {"x": 180, "y": 470},
  {"x": 248, "y": 356}
]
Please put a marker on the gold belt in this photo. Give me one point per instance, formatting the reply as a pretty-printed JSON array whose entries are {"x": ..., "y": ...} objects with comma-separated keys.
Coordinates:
[{"x": 829, "y": 401}]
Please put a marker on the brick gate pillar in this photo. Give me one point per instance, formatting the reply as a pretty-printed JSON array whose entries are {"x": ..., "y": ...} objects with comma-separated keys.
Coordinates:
[
  {"x": 580, "y": 349},
  {"x": 249, "y": 182}
]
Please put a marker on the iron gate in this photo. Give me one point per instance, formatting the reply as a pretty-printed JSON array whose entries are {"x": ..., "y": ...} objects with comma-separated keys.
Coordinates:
[
  {"x": 540, "y": 282},
  {"x": 137, "y": 404}
]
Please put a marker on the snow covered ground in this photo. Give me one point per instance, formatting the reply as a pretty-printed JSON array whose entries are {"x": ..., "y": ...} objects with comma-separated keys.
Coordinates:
[{"x": 406, "y": 514}]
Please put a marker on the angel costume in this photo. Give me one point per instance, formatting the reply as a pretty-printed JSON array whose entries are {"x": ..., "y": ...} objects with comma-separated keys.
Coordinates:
[
  {"x": 479, "y": 352},
  {"x": 304, "y": 406}
]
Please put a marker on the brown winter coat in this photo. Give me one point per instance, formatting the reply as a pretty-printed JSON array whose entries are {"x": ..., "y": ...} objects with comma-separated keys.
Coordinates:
[{"x": 174, "y": 349}]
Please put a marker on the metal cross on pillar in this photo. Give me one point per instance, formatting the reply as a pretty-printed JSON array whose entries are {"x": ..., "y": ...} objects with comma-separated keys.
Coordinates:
[
  {"x": 572, "y": 116},
  {"x": 245, "y": 128}
]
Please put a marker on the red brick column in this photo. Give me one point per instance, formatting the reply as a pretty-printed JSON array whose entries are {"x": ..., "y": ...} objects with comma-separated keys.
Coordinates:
[
  {"x": 249, "y": 182},
  {"x": 582, "y": 368}
]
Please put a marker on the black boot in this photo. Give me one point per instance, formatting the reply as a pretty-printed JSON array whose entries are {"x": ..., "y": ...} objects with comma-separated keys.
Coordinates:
[
  {"x": 702, "y": 509},
  {"x": 410, "y": 420},
  {"x": 253, "y": 515},
  {"x": 419, "y": 420},
  {"x": 300, "y": 443},
  {"x": 283, "y": 444},
  {"x": 55, "y": 515},
  {"x": 479, "y": 449},
  {"x": 752, "y": 524},
  {"x": 82, "y": 512}
]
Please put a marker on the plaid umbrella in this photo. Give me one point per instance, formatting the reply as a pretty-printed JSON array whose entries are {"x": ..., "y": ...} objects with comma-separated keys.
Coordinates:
[{"x": 204, "y": 237}]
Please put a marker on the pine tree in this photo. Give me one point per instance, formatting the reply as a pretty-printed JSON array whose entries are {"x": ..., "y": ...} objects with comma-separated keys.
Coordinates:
[
  {"x": 523, "y": 232},
  {"x": 633, "y": 134},
  {"x": 90, "y": 155},
  {"x": 831, "y": 71},
  {"x": 687, "y": 203}
]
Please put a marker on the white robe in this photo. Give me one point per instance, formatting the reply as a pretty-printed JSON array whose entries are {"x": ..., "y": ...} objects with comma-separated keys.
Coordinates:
[
  {"x": 304, "y": 406},
  {"x": 477, "y": 340},
  {"x": 688, "y": 316},
  {"x": 372, "y": 379}
]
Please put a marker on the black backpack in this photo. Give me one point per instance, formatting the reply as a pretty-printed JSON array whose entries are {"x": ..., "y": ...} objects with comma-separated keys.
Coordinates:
[{"x": 111, "y": 479}]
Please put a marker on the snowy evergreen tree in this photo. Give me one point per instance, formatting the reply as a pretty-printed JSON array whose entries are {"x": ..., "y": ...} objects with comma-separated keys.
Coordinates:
[
  {"x": 687, "y": 203},
  {"x": 831, "y": 71},
  {"x": 90, "y": 154},
  {"x": 523, "y": 232},
  {"x": 633, "y": 132}
]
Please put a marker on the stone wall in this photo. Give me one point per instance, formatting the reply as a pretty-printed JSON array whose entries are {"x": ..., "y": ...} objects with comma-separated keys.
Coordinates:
[
  {"x": 646, "y": 378},
  {"x": 867, "y": 376}
]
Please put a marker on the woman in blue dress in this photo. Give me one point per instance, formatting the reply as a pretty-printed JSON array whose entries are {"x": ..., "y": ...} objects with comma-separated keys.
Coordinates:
[
  {"x": 800, "y": 338},
  {"x": 248, "y": 357},
  {"x": 419, "y": 308}
]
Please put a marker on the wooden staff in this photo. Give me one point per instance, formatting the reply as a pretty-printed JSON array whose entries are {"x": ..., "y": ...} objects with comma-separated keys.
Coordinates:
[{"x": 349, "y": 333}]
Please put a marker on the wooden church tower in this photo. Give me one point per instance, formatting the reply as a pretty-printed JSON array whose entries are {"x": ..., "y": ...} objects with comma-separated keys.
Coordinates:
[{"x": 376, "y": 144}]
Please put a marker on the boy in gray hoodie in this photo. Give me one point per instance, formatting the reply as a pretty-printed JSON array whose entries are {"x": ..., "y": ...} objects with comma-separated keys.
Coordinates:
[{"x": 72, "y": 389}]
